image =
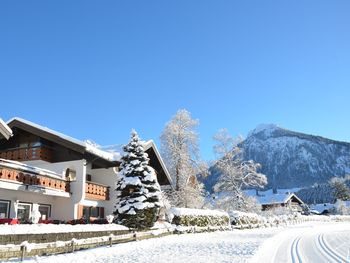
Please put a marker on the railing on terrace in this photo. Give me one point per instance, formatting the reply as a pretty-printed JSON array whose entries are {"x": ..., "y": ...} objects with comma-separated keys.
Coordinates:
[
  {"x": 27, "y": 154},
  {"x": 96, "y": 191},
  {"x": 32, "y": 178}
]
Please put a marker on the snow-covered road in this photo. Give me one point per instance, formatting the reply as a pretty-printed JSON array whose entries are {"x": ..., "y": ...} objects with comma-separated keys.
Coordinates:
[{"x": 321, "y": 242}]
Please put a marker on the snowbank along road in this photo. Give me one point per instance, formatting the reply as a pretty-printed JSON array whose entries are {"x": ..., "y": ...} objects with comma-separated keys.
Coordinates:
[{"x": 321, "y": 242}]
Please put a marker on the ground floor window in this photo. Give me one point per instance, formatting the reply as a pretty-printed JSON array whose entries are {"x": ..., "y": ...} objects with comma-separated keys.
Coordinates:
[
  {"x": 95, "y": 212},
  {"x": 5, "y": 208},
  {"x": 23, "y": 212},
  {"x": 45, "y": 211}
]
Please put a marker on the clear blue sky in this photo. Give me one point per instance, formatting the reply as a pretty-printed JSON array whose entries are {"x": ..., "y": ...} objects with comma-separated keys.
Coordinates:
[{"x": 96, "y": 69}]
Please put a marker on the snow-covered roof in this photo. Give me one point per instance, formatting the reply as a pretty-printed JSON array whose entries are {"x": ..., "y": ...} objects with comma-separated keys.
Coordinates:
[
  {"x": 28, "y": 168},
  {"x": 48, "y": 130},
  {"x": 99, "y": 151},
  {"x": 118, "y": 148},
  {"x": 278, "y": 198},
  {"x": 84, "y": 145},
  {"x": 5, "y": 130},
  {"x": 322, "y": 207},
  {"x": 326, "y": 206},
  {"x": 111, "y": 153}
]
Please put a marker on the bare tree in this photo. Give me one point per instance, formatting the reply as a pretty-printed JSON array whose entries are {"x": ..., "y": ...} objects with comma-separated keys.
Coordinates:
[
  {"x": 236, "y": 174},
  {"x": 179, "y": 146}
]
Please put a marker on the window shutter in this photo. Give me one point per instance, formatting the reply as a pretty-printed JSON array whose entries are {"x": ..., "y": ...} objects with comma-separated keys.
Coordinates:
[
  {"x": 102, "y": 212},
  {"x": 80, "y": 211}
]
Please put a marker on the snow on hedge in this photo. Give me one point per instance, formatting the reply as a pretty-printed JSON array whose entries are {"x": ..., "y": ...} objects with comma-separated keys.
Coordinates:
[
  {"x": 238, "y": 217},
  {"x": 242, "y": 218},
  {"x": 51, "y": 228},
  {"x": 179, "y": 211},
  {"x": 198, "y": 217}
]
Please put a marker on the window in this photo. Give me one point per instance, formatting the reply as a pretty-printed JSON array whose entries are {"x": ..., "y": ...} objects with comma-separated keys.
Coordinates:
[
  {"x": 88, "y": 177},
  {"x": 23, "y": 212},
  {"x": 4, "y": 209},
  {"x": 71, "y": 175},
  {"x": 93, "y": 212},
  {"x": 45, "y": 211}
]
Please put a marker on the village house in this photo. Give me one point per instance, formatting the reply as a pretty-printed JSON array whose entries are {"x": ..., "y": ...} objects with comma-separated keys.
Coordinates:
[
  {"x": 61, "y": 177},
  {"x": 281, "y": 200}
]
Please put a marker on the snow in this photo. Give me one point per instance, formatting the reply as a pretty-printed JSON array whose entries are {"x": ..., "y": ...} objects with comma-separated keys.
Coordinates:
[
  {"x": 5, "y": 130},
  {"x": 268, "y": 197},
  {"x": 27, "y": 168},
  {"x": 321, "y": 207},
  {"x": 310, "y": 242},
  {"x": 128, "y": 180},
  {"x": 88, "y": 145},
  {"x": 58, "y": 134},
  {"x": 230, "y": 246},
  {"x": 268, "y": 129},
  {"x": 196, "y": 212},
  {"x": 51, "y": 228},
  {"x": 274, "y": 199},
  {"x": 94, "y": 149},
  {"x": 326, "y": 206}
]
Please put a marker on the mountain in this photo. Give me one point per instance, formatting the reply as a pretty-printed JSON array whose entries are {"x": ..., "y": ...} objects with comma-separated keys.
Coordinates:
[{"x": 293, "y": 159}]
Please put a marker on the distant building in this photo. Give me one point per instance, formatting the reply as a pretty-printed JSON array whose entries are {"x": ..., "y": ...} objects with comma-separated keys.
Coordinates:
[{"x": 287, "y": 200}]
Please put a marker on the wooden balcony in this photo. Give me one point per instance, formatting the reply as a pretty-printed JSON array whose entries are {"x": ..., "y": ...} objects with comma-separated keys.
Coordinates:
[
  {"x": 33, "y": 179},
  {"x": 95, "y": 191},
  {"x": 27, "y": 154}
]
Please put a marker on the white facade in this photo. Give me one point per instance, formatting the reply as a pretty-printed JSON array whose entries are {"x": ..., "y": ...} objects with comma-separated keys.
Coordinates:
[{"x": 84, "y": 197}]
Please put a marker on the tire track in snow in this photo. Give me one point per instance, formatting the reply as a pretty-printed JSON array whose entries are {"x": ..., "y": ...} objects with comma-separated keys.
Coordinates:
[
  {"x": 329, "y": 251},
  {"x": 296, "y": 258}
]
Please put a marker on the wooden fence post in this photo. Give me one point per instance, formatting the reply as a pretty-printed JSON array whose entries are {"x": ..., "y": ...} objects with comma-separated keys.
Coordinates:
[
  {"x": 72, "y": 243},
  {"x": 23, "y": 250}
]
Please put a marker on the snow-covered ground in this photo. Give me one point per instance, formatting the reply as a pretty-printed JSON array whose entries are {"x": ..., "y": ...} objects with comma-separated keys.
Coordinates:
[
  {"x": 308, "y": 242},
  {"x": 230, "y": 246},
  {"x": 50, "y": 228}
]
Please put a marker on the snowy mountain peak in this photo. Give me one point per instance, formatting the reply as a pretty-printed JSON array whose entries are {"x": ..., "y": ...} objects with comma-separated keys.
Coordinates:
[
  {"x": 294, "y": 159},
  {"x": 266, "y": 129}
]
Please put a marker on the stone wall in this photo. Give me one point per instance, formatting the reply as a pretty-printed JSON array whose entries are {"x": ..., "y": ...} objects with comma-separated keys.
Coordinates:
[{"x": 70, "y": 242}]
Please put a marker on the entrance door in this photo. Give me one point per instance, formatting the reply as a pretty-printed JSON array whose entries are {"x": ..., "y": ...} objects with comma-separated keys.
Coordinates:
[{"x": 23, "y": 212}]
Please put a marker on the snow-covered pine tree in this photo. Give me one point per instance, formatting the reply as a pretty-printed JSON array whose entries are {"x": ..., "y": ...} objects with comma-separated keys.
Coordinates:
[{"x": 138, "y": 192}]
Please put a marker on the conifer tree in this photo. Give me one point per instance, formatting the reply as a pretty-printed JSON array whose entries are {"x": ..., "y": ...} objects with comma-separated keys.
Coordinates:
[{"x": 138, "y": 191}]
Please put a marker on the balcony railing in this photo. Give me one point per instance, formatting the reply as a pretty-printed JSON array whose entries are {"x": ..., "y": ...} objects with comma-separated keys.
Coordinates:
[
  {"x": 33, "y": 179},
  {"x": 27, "y": 154},
  {"x": 96, "y": 191}
]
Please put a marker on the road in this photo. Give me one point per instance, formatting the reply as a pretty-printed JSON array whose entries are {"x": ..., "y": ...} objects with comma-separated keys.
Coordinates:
[{"x": 322, "y": 242}]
